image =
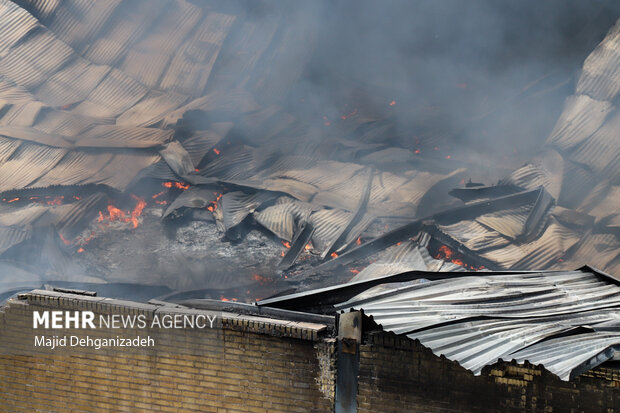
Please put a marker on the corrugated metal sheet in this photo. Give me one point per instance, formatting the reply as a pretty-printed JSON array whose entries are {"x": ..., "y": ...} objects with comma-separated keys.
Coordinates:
[
  {"x": 407, "y": 256},
  {"x": 282, "y": 218},
  {"x": 77, "y": 21},
  {"x": 10, "y": 236},
  {"x": 191, "y": 66},
  {"x": 601, "y": 71},
  {"x": 601, "y": 152},
  {"x": 479, "y": 319},
  {"x": 581, "y": 117}
]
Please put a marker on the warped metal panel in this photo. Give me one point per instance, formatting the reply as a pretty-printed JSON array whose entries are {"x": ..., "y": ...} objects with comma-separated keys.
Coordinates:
[
  {"x": 581, "y": 117},
  {"x": 22, "y": 217},
  {"x": 36, "y": 59},
  {"x": 151, "y": 109},
  {"x": 408, "y": 256},
  {"x": 509, "y": 222},
  {"x": 601, "y": 70},
  {"x": 42, "y": 9},
  {"x": 540, "y": 253},
  {"x": 10, "y": 236},
  {"x": 27, "y": 164},
  {"x": 569, "y": 357},
  {"x": 7, "y": 148},
  {"x": 23, "y": 114},
  {"x": 116, "y": 93},
  {"x": 147, "y": 60},
  {"x": 121, "y": 170},
  {"x": 200, "y": 144},
  {"x": 191, "y": 66},
  {"x": 76, "y": 21},
  {"x": 73, "y": 169},
  {"x": 282, "y": 218},
  {"x": 601, "y": 152},
  {"x": 35, "y": 136},
  {"x": 474, "y": 235},
  {"x": 112, "y": 136},
  {"x": 477, "y": 320},
  {"x": 132, "y": 19},
  {"x": 545, "y": 170},
  {"x": 234, "y": 207},
  {"x": 15, "y": 23},
  {"x": 73, "y": 83}
]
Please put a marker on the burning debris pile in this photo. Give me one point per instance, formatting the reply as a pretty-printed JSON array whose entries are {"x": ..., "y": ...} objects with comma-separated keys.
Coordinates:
[{"x": 174, "y": 139}]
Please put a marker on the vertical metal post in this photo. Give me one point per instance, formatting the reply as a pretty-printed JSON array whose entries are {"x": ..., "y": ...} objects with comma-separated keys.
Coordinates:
[{"x": 348, "y": 361}]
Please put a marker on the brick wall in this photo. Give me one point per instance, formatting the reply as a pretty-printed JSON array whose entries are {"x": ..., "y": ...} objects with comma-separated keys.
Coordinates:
[
  {"x": 400, "y": 375},
  {"x": 250, "y": 364},
  {"x": 258, "y": 364}
]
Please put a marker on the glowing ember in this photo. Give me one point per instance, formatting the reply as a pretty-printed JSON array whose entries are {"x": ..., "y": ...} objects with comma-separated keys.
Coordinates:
[
  {"x": 345, "y": 117},
  {"x": 217, "y": 151},
  {"x": 158, "y": 194},
  {"x": 80, "y": 250},
  {"x": 260, "y": 279},
  {"x": 448, "y": 157},
  {"x": 308, "y": 247},
  {"x": 417, "y": 151},
  {"x": 222, "y": 298},
  {"x": 444, "y": 252},
  {"x": 354, "y": 271},
  {"x": 282, "y": 254},
  {"x": 392, "y": 103},
  {"x": 56, "y": 201},
  {"x": 333, "y": 255},
  {"x": 178, "y": 185},
  {"x": 64, "y": 240},
  {"x": 286, "y": 244},
  {"x": 13, "y": 200},
  {"x": 358, "y": 241}
]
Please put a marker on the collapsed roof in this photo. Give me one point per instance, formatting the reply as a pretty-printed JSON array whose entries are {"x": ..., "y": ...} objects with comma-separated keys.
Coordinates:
[{"x": 92, "y": 95}]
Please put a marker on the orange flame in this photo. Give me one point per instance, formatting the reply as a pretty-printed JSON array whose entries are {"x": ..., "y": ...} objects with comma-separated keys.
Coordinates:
[
  {"x": 333, "y": 255},
  {"x": 358, "y": 241},
  {"x": 286, "y": 244},
  {"x": 115, "y": 214},
  {"x": 445, "y": 252},
  {"x": 80, "y": 250},
  {"x": 217, "y": 151}
]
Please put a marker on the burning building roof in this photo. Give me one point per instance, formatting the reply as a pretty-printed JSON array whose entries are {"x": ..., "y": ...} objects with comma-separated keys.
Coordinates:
[{"x": 110, "y": 112}]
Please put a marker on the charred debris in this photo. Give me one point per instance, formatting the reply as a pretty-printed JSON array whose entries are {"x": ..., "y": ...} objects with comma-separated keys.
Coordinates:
[{"x": 172, "y": 158}]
